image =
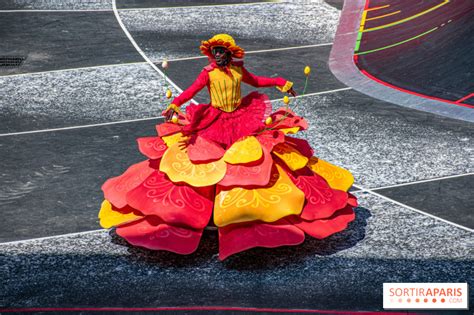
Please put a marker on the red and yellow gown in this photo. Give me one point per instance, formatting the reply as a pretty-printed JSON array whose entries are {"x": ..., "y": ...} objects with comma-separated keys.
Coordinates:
[{"x": 262, "y": 187}]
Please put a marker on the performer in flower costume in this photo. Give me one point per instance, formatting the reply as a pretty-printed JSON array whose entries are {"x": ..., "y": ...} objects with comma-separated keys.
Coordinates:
[{"x": 231, "y": 161}]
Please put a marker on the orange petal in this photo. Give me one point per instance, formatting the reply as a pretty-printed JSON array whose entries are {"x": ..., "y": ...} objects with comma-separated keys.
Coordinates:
[
  {"x": 176, "y": 164},
  {"x": 108, "y": 217},
  {"x": 291, "y": 156},
  {"x": 337, "y": 177},
  {"x": 244, "y": 151}
]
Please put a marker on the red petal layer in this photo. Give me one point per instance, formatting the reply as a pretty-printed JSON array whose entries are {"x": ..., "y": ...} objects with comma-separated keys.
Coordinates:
[
  {"x": 152, "y": 147},
  {"x": 268, "y": 139},
  {"x": 153, "y": 233},
  {"x": 238, "y": 237},
  {"x": 249, "y": 174},
  {"x": 167, "y": 128},
  {"x": 201, "y": 150},
  {"x": 281, "y": 121},
  {"x": 116, "y": 188},
  {"x": 325, "y": 227},
  {"x": 321, "y": 201},
  {"x": 301, "y": 145},
  {"x": 177, "y": 204}
]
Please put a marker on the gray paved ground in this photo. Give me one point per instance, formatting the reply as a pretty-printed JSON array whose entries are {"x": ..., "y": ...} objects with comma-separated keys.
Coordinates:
[
  {"x": 177, "y": 32},
  {"x": 386, "y": 243},
  {"x": 78, "y": 97}
]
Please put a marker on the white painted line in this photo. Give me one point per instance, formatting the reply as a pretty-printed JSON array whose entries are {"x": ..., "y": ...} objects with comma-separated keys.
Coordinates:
[
  {"x": 77, "y": 127},
  {"x": 52, "y": 10},
  {"x": 140, "y": 119},
  {"x": 414, "y": 209},
  {"x": 119, "y": 20},
  {"x": 207, "y": 228},
  {"x": 73, "y": 69},
  {"x": 50, "y": 237},
  {"x": 159, "y": 61},
  {"x": 255, "y": 51},
  {"x": 422, "y": 181}
]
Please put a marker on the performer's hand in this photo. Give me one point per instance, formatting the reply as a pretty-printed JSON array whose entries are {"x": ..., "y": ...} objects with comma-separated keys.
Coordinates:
[
  {"x": 292, "y": 92},
  {"x": 170, "y": 110}
]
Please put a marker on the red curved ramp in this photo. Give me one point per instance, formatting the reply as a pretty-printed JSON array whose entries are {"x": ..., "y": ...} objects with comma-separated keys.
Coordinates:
[{"x": 416, "y": 54}]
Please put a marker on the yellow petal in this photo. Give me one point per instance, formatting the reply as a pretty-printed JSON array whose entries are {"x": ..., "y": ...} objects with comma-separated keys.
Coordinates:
[
  {"x": 175, "y": 138},
  {"x": 168, "y": 93},
  {"x": 337, "y": 177},
  {"x": 268, "y": 121},
  {"x": 292, "y": 157},
  {"x": 109, "y": 217},
  {"x": 270, "y": 203},
  {"x": 244, "y": 151},
  {"x": 290, "y": 130},
  {"x": 176, "y": 164}
]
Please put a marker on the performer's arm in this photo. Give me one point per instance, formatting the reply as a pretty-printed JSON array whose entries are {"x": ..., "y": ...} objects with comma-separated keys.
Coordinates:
[
  {"x": 259, "y": 81},
  {"x": 193, "y": 89}
]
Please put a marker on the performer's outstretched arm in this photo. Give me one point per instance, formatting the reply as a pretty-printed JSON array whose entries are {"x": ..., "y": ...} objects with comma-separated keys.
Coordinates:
[
  {"x": 193, "y": 89},
  {"x": 260, "y": 81}
]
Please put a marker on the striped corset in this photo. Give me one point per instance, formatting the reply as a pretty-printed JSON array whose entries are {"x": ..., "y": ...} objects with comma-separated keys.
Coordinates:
[{"x": 225, "y": 88}]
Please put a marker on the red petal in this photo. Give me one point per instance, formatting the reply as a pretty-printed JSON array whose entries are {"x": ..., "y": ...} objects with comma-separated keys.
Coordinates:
[
  {"x": 201, "y": 150},
  {"x": 325, "y": 227},
  {"x": 238, "y": 237},
  {"x": 177, "y": 204},
  {"x": 152, "y": 147},
  {"x": 153, "y": 234},
  {"x": 321, "y": 201},
  {"x": 167, "y": 128},
  {"x": 301, "y": 145},
  {"x": 116, "y": 188},
  {"x": 268, "y": 139},
  {"x": 352, "y": 200},
  {"x": 249, "y": 175}
]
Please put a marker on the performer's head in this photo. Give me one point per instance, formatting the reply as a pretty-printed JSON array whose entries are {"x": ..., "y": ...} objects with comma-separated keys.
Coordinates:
[
  {"x": 222, "y": 49},
  {"x": 222, "y": 55}
]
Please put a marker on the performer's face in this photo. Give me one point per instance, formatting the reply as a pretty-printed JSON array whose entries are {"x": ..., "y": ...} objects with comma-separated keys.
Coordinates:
[{"x": 221, "y": 55}]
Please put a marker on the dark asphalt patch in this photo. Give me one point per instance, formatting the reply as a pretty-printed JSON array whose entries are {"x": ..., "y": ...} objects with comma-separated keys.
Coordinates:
[
  {"x": 50, "y": 182},
  {"x": 63, "y": 40},
  {"x": 450, "y": 199}
]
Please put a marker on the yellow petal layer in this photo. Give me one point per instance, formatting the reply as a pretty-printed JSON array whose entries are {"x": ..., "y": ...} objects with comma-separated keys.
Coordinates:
[
  {"x": 244, "y": 151},
  {"x": 290, "y": 130},
  {"x": 292, "y": 157},
  {"x": 175, "y": 138},
  {"x": 109, "y": 218},
  {"x": 176, "y": 164},
  {"x": 270, "y": 203},
  {"x": 337, "y": 177}
]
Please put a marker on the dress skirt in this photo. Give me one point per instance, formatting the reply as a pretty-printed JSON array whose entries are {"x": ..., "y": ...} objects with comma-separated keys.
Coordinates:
[{"x": 260, "y": 186}]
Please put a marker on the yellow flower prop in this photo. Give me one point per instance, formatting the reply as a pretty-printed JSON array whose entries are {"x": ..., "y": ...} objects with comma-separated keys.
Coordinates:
[
  {"x": 307, "y": 70},
  {"x": 168, "y": 93}
]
